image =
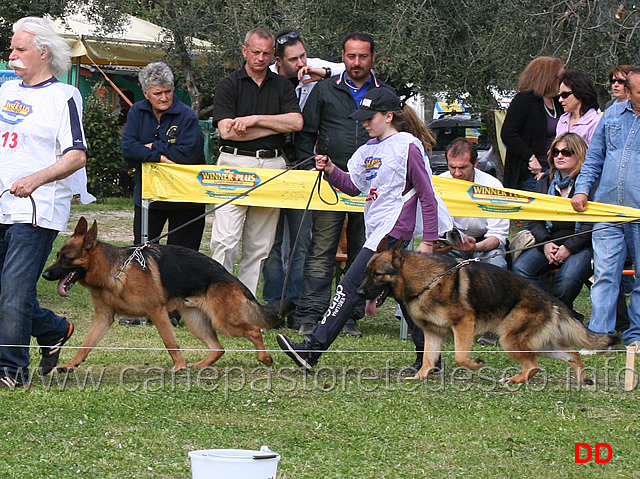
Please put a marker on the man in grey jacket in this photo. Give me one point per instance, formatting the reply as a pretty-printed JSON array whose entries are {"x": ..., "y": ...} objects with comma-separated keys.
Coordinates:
[
  {"x": 294, "y": 226},
  {"x": 328, "y": 130}
]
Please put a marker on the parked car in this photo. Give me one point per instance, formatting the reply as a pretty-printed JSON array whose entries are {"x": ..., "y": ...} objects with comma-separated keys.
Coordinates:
[{"x": 448, "y": 129}]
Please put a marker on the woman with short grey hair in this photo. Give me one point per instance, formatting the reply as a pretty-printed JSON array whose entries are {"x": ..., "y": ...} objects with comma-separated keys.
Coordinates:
[
  {"x": 162, "y": 129},
  {"x": 155, "y": 74}
]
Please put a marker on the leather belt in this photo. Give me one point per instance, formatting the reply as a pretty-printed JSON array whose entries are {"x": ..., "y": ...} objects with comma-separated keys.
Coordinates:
[{"x": 255, "y": 154}]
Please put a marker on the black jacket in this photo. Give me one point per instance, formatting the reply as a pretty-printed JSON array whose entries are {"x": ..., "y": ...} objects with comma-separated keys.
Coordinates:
[
  {"x": 327, "y": 122},
  {"x": 523, "y": 133},
  {"x": 561, "y": 228}
]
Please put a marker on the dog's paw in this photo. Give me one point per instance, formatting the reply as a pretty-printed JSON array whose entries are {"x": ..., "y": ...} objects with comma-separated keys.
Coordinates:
[{"x": 66, "y": 368}]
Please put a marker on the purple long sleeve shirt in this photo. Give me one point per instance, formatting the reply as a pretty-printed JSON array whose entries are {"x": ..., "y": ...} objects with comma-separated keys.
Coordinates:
[{"x": 418, "y": 178}]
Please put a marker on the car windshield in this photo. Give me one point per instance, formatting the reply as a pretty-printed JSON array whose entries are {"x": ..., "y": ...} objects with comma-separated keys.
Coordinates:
[{"x": 445, "y": 135}]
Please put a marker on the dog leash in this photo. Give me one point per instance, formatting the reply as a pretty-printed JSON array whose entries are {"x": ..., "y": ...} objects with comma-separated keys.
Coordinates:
[
  {"x": 136, "y": 254},
  {"x": 612, "y": 225},
  {"x": 231, "y": 200},
  {"x": 295, "y": 242},
  {"x": 33, "y": 207},
  {"x": 466, "y": 262}
]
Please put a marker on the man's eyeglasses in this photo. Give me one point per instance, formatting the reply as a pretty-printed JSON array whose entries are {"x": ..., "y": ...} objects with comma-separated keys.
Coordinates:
[
  {"x": 619, "y": 81},
  {"x": 281, "y": 40},
  {"x": 565, "y": 94},
  {"x": 564, "y": 152}
]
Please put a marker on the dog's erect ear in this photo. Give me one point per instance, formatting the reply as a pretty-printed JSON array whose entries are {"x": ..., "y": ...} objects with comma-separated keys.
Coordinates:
[
  {"x": 81, "y": 227},
  {"x": 383, "y": 245},
  {"x": 398, "y": 250},
  {"x": 91, "y": 236},
  {"x": 397, "y": 255}
]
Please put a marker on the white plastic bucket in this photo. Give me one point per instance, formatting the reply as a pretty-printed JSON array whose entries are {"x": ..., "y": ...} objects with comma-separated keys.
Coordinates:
[{"x": 234, "y": 464}]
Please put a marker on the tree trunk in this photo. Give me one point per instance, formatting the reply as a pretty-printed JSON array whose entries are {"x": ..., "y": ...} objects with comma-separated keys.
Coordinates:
[{"x": 187, "y": 59}]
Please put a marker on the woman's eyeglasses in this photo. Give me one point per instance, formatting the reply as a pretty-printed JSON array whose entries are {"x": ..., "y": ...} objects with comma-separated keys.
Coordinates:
[
  {"x": 619, "y": 81},
  {"x": 565, "y": 94},
  {"x": 564, "y": 152}
]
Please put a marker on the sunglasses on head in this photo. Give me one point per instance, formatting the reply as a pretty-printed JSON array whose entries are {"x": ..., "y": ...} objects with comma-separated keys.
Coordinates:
[
  {"x": 565, "y": 94},
  {"x": 563, "y": 152},
  {"x": 286, "y": 37},
  {"x": 619, "y": 81}
]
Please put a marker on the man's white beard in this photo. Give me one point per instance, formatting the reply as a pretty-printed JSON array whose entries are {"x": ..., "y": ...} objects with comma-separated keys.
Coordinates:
[{"x": 13, "y": 64}]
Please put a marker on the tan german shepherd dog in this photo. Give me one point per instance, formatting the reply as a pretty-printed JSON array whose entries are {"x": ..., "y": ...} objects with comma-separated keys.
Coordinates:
[
  {"x": 162, "y": 278},
  {"x": 473, "y": 299}
]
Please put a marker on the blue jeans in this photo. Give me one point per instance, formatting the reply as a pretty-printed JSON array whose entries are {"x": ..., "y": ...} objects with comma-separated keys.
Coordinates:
[
  {"x": 610, "y": 248},
  {"x": 569, "y": 279},
  {"x": 528, "y": 183},
  {"x": 321, "y": 259},
  {"x": 275, "y": 266},
  {"x": 24, "y": 250}
]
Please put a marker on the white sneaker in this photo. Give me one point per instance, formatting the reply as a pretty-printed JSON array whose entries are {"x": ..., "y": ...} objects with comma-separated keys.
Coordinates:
[
  {"x": 591, "y": 352},
  {"x": 635, "y": 344},
  {"x": 588, "y": 352}
]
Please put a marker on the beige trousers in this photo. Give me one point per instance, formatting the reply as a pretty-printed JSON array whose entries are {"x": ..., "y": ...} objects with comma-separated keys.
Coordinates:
[{"x": 254, "y": 225}]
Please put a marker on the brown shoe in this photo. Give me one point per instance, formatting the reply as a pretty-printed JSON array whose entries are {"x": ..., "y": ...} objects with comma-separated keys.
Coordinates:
[{"x": 351, "y": 330}]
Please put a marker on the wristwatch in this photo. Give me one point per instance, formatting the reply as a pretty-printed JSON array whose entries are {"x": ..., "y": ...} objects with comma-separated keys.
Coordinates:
[{"x": 328, "y": 70}]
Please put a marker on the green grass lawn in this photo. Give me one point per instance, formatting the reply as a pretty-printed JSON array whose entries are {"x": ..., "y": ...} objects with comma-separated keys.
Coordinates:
[{"x": 125, "y": 414}]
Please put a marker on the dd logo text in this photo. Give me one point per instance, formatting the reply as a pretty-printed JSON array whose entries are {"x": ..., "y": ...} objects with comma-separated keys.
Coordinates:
[{"x": 589, "y": 452}]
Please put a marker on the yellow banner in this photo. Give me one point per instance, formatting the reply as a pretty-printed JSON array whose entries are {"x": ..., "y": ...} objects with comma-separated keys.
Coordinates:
[{"x": 217, "y": 184}]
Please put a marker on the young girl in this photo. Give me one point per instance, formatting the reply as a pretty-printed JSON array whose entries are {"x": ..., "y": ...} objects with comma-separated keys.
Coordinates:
[{"x": 390, "y": 169}]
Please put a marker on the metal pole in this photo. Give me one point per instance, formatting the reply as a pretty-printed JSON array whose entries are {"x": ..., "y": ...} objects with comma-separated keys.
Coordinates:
[
  {"x": 77, "y": 79},
  {"x": 144, "y": 221}
]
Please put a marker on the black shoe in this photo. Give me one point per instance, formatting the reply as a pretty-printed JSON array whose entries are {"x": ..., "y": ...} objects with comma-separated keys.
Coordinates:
[
  {"x": 488, "y": 339},
  {"x": 305, "y": 354},
  {"x": 174, "y": 317},
  {"x": 412, "y": 370},
  {"x": 306, "y": 329},
  {"x": 130, "y": 321},
  {"x": 10, "y": 383},
  {"x": 137, "y": 321},
  {"x": 415, "y": 367},
  {"x": 51, "y": 354},
  {"x": 351, "y": 330}
]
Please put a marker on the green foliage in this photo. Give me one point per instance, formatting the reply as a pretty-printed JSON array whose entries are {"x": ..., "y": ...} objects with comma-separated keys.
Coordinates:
[
  {"x": 107, "y": 14},
  {"x": 105, "y": 166}
]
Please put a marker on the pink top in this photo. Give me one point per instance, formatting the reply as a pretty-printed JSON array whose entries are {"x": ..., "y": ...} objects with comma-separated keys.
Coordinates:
[{"x": 585, "y": 126}]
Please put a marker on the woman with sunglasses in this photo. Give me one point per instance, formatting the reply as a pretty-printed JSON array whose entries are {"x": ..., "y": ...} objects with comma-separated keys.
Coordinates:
[
  {"x": 530, "y": 124},
  {"x": 580, "y": 102},
  {"x": 571, "y": 256},
  {"x": 617, "y": 79}
]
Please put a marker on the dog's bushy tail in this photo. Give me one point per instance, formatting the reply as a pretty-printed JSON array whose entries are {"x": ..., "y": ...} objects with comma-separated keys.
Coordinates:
[
  {"x": 271, "y": 316},
  {"x": 574, "y": 332}
]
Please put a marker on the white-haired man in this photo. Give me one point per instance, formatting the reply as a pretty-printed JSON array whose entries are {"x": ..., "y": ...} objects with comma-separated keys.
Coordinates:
[{"x": 42, "y": 156}]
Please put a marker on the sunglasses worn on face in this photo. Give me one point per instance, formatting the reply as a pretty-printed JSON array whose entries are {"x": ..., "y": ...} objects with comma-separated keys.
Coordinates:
[
  {"x": 286, "y": 37},
  {"x": 619, "y": 81},
  {"x": 565, "y": 94},
  {"x": 564, "y": 152}
]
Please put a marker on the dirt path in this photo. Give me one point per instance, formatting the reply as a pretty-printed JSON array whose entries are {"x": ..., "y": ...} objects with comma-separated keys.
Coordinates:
[{"x": 116, "y": 226}]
